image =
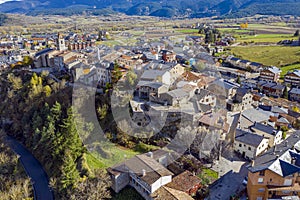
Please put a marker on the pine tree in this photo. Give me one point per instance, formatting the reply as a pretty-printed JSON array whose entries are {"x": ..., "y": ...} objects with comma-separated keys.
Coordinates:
[
  {"x": 70, "y": 175},
  {"x": 116, "y": 73},
  {"x": 285, "y": 93},
  {"x": 238, "y": 80}
]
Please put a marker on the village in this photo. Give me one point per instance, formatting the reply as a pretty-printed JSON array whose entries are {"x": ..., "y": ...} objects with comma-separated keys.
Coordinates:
[{"x": 249, "y": 115}]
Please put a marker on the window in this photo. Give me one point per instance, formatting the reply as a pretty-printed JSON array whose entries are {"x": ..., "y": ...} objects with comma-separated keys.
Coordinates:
[
  {"x": 261, "y": 189},
  {"x": 249, "y": 148},
  {"x": 262, "y": 173},
  {"x": 240, "y": 145},
  {"x": 288, "y": 182},
  {"x": 259, "y": 198},
  {"x": 260, "y": 180},
  {"x": 286, "y": 192}
]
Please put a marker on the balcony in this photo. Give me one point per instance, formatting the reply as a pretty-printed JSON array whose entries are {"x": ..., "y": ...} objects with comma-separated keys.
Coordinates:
[{"x": 277, "y": 188}]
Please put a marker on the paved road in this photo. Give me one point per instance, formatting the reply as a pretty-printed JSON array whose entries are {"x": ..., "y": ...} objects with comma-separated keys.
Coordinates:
[
  {"x": 33, "y": 169},
  {"x": 233, "y": 170}
]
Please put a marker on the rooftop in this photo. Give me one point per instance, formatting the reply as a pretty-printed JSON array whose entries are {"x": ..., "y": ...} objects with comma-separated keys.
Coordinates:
[
  {"x": 295, "y": 91},
  {"x": 178, "y": 93},
  {"x": 255, "y": 115},
  {"x": 248, "y": 138},
  {"x": 140, "y": 163},
  {"x": 279, "y": 158},
  {"x": 152, "y": 74},
  {"x": 166, "y": 193},
  {"x": 184, "y": 181},
  {"x": 264, "y": 128}
]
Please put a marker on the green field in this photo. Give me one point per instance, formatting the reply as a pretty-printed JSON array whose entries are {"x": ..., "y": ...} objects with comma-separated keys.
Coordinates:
[
  {"x": 269, "y": 55},
  {"x": 187, "y": 30},
  {"x": 112, "y": 154},
  {"x": 264, "y": 38},
  {"x": 287, "y": 68}
]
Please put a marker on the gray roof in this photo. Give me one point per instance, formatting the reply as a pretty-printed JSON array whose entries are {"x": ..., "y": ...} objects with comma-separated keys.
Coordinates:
[
  {"x": 244, "y": 61},
  {"x": 204, "y": 107},
  {"x": 242, "y": 91},
  {"x": 269, "y": 84},
  {"x": 283, "y": 120},
  {"x": 178, "y": 93},
  {"x": 278, "y": 158},
  {"x": 296, "y": 72},
  {"x": 152, "y": 74},
  {"x": 256, "y": 64},
  {"x": 278, "y": 87},
  {"x": 277, "y": 109},
  {"x": 248, "y": 138},
  {"x": 295, "y": 91},
  {"x": 234, "y": 59},
  {"x": 255, "y": 115},
  {"x": 264, "y": 128},
  {"x": 225, "y": 84},
  {"x": 158, "y": 65},
  {"x": 153, "y": 84},
  {"x": 274, "y": 69},
  {"x": 47, "y": 50},
  {"x": 201, "y": 94},
  {"x": 137, "y": 164}
]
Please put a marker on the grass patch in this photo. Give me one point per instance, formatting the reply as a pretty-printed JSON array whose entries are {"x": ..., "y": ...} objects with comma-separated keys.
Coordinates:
[
  {"x": 144, "y": 148},
  {"x": 187, "y": 30},
  {"x": 93, "y": 162},
  {"x": 211, "y": 173},
  {"x": 269, "y": 55},
  {"x": 233, "y": 30},
  {"x": 128, "y": 193},
  {"x": 285, "y": 69},
  {"x": 109, "y": 155},
  {"x": 208, "y": 176},
  {"x": 265, "y": 38},
  {"x": 109, "y": 43}
]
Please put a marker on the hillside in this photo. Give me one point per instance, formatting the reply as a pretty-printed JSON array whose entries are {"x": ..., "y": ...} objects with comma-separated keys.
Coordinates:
[{"x": 163, "y": 8}]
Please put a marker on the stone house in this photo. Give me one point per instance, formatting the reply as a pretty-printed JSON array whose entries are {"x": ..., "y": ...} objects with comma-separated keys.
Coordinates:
[
  {"x": 242, "y": 100},
  {"x": 249, "y": 145},
  {"x": 151, "y": 90},
  {"x": 147, "y": 174},
  {"x": 162, "y": 76},
  {"x": 274, "y": 136},
  {"x": 175, "y": 97}
]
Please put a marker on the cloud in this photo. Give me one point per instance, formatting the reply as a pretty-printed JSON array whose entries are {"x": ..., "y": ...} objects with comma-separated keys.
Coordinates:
[{"x": 3, "y": 1}]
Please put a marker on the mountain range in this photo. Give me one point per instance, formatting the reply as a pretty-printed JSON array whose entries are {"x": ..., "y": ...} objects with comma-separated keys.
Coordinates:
[{"x": 161, "y": 8}]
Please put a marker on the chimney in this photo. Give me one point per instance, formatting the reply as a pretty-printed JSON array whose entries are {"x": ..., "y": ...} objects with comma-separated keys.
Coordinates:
[
  {"x": 293, "y": 161},
  {"x": 274, "y": 150},
  {"x": 286, "y": 143},
  {"x": 144, "y": 172},
  {"x": 252, "y": 163},
  {"x": 150, "y": 154},
  {"x": 277, "y": 156}
]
